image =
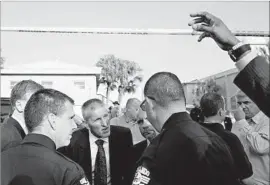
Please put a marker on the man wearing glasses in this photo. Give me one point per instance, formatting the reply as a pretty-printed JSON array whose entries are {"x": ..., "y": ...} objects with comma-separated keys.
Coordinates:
[
  {"x": 183, "y": 152},
  {"x": 252, "y": 128}
]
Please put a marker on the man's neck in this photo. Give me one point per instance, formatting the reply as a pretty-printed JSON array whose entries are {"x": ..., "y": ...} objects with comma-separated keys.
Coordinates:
[
  {"x": 18, "y": 117},
  {"x": 211, "y": 120},
  {"x": 164, "y": 114}
]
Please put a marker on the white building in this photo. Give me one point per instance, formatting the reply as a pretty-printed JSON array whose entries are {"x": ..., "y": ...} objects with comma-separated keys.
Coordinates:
[{"x": 80, "y": 83}]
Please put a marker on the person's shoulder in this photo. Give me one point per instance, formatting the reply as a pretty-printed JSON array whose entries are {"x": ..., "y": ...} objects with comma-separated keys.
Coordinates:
[
  {"x": 79, "y": 136},
  {"x": 119, "y": 129},
  {"x": 73, "y": 171},
  {"x": 66, "y": 162}
]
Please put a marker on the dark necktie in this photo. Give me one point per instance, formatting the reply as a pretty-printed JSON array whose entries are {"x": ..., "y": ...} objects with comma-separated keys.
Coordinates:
[{"x": 100, "y": 165}]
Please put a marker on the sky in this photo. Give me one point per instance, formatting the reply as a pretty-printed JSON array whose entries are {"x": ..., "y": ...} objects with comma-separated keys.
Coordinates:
[{"x": 182, "y": 55}]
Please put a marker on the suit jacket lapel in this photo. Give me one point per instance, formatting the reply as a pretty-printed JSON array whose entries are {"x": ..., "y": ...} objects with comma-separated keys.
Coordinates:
[
  {"x": 85, "y": 154},
  {"x": 112, "y": 155}
]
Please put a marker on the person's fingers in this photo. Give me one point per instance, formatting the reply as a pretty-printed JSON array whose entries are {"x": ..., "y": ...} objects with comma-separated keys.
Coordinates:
[
  {"x": 203, "y": 15},
  {"x": 202, "y": 36},
  {"x": 195, "y": 21},
  {"x": 202, "y": 27}
]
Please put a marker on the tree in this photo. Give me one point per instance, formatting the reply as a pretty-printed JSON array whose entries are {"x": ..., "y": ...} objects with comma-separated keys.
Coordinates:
[
  {"x": 118, "y": 74},
  {"x": 209, "y": 86}
]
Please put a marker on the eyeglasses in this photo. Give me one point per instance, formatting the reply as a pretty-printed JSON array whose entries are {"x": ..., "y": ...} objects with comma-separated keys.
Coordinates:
[{"x": 144, "y": 101}]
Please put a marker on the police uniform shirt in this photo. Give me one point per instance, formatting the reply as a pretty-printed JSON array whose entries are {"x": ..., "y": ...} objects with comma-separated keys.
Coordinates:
[
  {"x": 36, "y": 162},
  {"x": 185, "y": 153}
]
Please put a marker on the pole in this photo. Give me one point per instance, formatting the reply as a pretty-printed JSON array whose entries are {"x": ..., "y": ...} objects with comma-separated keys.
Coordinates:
[{"x": 125, "y": 31}]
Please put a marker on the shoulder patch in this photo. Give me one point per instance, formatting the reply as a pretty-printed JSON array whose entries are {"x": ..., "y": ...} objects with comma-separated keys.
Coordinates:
[
  {"x": 84, "y": 181},
  {"x": 142, "y": 176}
]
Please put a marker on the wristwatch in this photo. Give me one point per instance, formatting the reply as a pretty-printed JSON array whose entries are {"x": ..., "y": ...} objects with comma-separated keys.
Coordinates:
[{"x": 238, "y": 50}]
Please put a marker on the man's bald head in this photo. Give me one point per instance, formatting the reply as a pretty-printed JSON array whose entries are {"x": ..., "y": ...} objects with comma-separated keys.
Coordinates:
[
  {"x": 164, "y": 87},
  {"x": 132, "y": 102}
]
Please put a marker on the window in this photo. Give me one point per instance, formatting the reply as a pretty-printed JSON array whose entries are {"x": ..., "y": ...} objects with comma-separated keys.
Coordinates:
[
  {"x": 47, "y": 84},
  {"x": 80, "y": 84},
  {"x": 12, "y": 84}
]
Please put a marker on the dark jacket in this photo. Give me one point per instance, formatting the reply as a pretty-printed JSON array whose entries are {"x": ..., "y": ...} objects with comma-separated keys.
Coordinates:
[
  {"x": 243, "y": 166},
  {"x": 186, "y": 153},
  {"x": 120, "y": 144},
  {"x": 253, "y": 80},
  {"x": 11, "y": 134},
  {"x": 36, "y": 162}
]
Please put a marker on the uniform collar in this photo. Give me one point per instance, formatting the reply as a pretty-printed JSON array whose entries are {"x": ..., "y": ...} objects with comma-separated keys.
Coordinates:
[
  {"x": 176, "y": 118},
  {"x": 216, "y": 126},
  {"x": 257, "y": 118},
  {"x": 41, "y": 140}
]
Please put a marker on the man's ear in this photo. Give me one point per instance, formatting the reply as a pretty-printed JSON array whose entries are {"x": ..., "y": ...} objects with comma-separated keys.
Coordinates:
[
  {"x": 52, "y": 120},
  {"x": 221, "y": 112},
  {"x": 19, "y": 106}
]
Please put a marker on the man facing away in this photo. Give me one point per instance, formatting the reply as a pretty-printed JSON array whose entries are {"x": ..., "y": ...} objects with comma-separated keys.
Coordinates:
[
  {"x": 184, "y": 152},
  {"x": 214, "y": 112},
  {"x": 102, "y": 150},
  {"x": 252, "y": 128},
  {"x": 49, "y": 118},
  {"x": 14, "y": 130}
]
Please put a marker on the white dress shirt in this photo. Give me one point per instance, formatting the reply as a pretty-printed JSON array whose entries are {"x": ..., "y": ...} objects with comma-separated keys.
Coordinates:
[{"x": 94, "y": 150}]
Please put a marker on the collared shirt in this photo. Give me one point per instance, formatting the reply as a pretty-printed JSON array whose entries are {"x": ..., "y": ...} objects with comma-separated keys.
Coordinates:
[
  {"x": 255, "y": 139},
  {"x": 133, "y": 126},
  {"x": 94, "y": 150}
]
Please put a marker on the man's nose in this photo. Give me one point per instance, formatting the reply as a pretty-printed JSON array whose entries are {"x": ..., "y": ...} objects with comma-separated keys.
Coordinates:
[{"x": 104, "y": 122}]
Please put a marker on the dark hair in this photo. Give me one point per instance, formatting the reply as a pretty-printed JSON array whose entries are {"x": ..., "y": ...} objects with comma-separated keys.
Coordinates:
[
  {"x": 22, "y": 88},
  {"x": 210, "y": 104},
  {"x": 42, "y": 103},
  {"x": 196, "y": 115},
  {"x": 116, "y": 103},
  {"x": 164, "y": 87},
  {"x": 90, "y": 105}
]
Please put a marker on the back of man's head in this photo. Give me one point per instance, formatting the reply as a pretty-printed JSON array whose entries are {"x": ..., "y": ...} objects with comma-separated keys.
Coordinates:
[
  {"x": 165, "y": 88},
  {"x": 22, "y": 89},
  {"x": 43, "y": 102},
  {"x": 90, "y": 105},
  {"x": 211, "y": 103}
]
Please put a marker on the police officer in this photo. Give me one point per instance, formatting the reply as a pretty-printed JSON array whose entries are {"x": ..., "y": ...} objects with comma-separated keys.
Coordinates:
[
  {"x": 183, "y": 152},
  {"x": 49, "y": 116}
]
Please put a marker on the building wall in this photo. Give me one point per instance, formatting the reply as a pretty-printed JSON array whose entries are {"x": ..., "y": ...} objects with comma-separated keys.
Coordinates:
[{"x": 80, "y": 88}]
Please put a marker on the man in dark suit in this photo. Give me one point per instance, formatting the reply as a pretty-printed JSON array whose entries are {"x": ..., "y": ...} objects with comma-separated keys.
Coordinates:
[
  {"x": 214, "y": 112},
  {"x": 103, "y": 151},
  {"x": 253, "y": 78},
  {"x": 14, "y": 130}
]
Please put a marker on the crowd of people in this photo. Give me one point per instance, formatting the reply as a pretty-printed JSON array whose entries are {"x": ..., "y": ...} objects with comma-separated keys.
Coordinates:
[{"x": 154, "y": 142}]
